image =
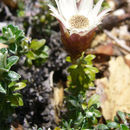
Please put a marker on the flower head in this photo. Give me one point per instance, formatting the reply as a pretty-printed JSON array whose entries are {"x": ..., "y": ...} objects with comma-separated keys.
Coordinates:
[{"x": 79, "y": 18}]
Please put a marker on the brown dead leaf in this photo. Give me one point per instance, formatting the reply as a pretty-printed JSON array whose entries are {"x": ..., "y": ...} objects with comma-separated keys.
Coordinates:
[
  {"x": 16, "y": 126},
  {"x": 127, "y": 59},
  {"x": 105, "y": 49},
  {"x": 121, "y": 32},
  {"x": 11, "y": 3},
  {"x": 116, "y": 3},
  {"x": 3, "y": 46},
  {"x": 102, "y": 52},
  {"x": 99, "y": 39},
  {"x": 115, "y": 91},
  {"x": 57, "y": 101}
]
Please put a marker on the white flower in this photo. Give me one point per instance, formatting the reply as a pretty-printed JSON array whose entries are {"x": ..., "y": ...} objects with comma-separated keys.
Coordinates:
[{"x": 82, "y": 16}]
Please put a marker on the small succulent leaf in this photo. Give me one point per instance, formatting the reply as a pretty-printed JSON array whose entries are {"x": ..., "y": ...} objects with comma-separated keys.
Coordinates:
[
  {"x": 89, "y": 57},
  {"x": 102, "y": 127},
  {"x": 89, "y": 114},
  {"x": 122, "y": 116},
  {"x": 11, "y": 84},
  {"x": 94, "y": 120},
  {"x": 37, "y": 44},
  {"x": 94, "y": 100},
  {"x": 73, "y": 102},
  {"x": 84, "y": 106},
  {"x": 43, "y": 55},
  {"x": 13, "y": 37},
  {"x": 1, "y": 60},
  {"x": 113, "y": 125},
  {"x": 31, "y": 55},
  {"x": 11, "y": 61},
  {"x": 97, "y": 113},
  {"x": 68, "y": 59},
  {"x": 40, "y": 129},
  {"x": 12, "y": 76},
  {"x": 16, "y": 100},
  {"x": 73, "y": 66},
  {"x": 57, "y": 128},
  {"x": 2, "y": 40},
  {"x": 116, "y": 119},
  {"x": 2, "y": 89},
  {"x": 123, "y": 127},
  {"x": 13, "y": 48},
  {"x": 46, "y": 48},
  {"x": 19, "y": 86},
  {"x": 3, "y": 57}
]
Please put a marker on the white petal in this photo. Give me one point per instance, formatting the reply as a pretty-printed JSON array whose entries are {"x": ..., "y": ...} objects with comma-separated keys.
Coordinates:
[
  {"x": 85, "y": 6},
  {"x": 59, "y": 8},
  {"x": 53, "y": 9},
  {"x": 98, "y": 19},
  {"x": 91, "y": 18},
  {"x": 97, "y": 7},
  {"x": 103, "y": 13},
  {"x": 57, "y": 15},
  {"x": 61, "y": 20},
  {"x": 68, "y": 8}
]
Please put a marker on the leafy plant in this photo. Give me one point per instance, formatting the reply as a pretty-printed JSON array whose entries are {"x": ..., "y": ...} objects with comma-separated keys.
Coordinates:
[
  {"x": 9, "y": 96},
  {"x": 35, "y": 50},
  {"x": 21, "y": 8},
  {"x": 12, "y": 37},
  {"x": 120, "y": 123},
  {"x": 82, "y": 73},
  {"x": 81, "y": 113}
]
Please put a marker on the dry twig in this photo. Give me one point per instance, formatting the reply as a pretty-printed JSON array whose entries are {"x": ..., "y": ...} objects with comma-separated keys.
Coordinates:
[{"x": 120, "y": 43}]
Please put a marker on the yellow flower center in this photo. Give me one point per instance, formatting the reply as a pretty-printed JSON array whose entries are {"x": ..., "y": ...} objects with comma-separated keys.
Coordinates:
[{"x": 78, "y": 22}]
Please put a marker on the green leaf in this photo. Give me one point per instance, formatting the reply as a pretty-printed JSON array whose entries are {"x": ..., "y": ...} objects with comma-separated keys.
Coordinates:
[
  {"x": 13, "y": 48},
  {"x": 89, "y": 114},
  {"x": 128, "y": 115},
  {"x": 3, "y": 58},
  {"x": 74, "y": 103},
  {"x": 97, "y": 113},
  {"x": 29, "y": 61},
  {"x": 94, "y": 100},
  {"x": 2, "y": 40},
  {"x": 43, "y": 55},
  {"x": 89, "y": 57},
  {"x": 2, "y": 89},
  {"x": 31, "y": 55},
  {"x": 102, "y": 127},
  {"x": 14, "y": 37},
  {"x": 12, "y": 76},
  {"x": 113, "y": 125},
  {"x": 94, "y": 120},
  {"x": 68, "y": 59},
  {"x": 84, "y": 106},
  {"x": 122, "y": 116},
  {"x": 80, "y": 119},
  {"x": 11, "y": 84},
  {"x": 12, "y": 33},
  {"x": 116, "y": 119},
  {"x": 73, "y": 66},
  {"x": 37, "y": 44},
  {"x": 19, "y": 86},
  {"x": 11, "y": 61},
  {"x": 123, "y": 127},
  {"x": 16, "y": 99},
  {"x": 57, "y": 128}
]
